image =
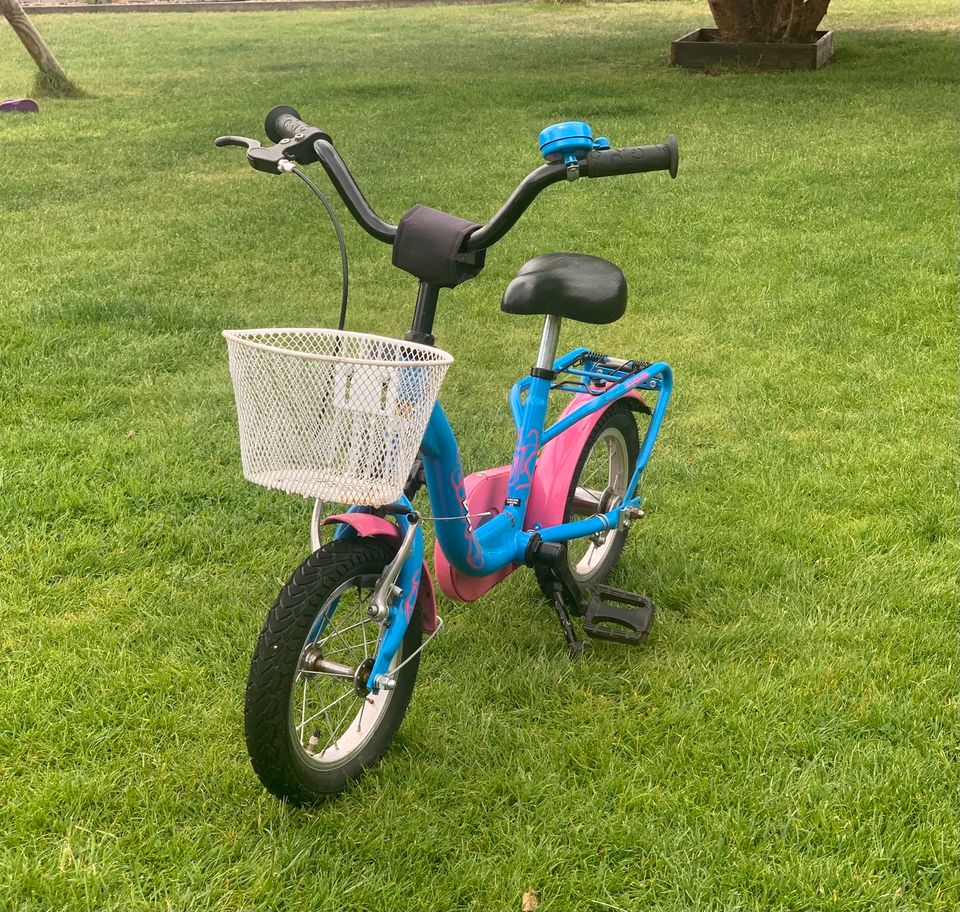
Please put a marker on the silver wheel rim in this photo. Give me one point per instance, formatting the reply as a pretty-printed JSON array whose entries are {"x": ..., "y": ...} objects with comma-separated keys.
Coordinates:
[
  {"x": 330, "y": 721},
  {"x": 316, "y": 525},
  {"x": 600, "y": 487}
]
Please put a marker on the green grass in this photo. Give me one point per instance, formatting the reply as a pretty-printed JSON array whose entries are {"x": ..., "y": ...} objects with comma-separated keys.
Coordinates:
[{"x": 788, "y": 737}]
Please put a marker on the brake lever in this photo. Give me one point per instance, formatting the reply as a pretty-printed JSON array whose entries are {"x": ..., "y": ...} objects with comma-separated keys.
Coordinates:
[
  {"x": 237, "y": 141},
  {"x": 269, "y": 159}
]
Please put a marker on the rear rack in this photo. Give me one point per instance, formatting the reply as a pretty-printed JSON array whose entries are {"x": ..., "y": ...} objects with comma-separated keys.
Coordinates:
[
  {"x": 593, "y": 373},
  {"x": 596, "y": 375}
]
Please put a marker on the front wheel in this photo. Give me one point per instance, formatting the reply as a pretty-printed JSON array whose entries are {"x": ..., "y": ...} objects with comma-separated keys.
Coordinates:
[
  {"x": 599, "y": 484},
  {"x": 311, "y": 726}
]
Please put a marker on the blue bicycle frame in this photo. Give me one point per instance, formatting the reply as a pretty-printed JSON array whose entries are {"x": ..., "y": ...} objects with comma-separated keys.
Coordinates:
[{"x": 504, "y": 540}]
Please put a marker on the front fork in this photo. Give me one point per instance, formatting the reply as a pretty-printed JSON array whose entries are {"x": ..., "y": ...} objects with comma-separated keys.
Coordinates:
[
  {"x": 395, "y": 595},
  {"x": 395, "y": 598}
]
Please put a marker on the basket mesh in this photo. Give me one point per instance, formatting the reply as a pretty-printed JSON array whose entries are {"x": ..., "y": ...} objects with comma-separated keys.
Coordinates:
[{"x": 332, "y": 414}]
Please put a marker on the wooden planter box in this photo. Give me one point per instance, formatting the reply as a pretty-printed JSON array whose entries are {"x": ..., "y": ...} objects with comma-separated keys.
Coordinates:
[{"x": 700, "y": 49}]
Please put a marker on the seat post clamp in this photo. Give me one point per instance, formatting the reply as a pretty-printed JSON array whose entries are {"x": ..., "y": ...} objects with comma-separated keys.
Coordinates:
[{"x": 542, "y": 373}]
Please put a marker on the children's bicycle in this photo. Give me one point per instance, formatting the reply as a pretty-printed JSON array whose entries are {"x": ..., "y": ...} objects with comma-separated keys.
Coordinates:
[{"x": 353, "y": 418}]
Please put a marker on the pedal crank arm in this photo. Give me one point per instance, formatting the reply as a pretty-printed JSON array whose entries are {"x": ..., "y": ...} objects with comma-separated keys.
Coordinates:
[{"x": 575, "y": 644}]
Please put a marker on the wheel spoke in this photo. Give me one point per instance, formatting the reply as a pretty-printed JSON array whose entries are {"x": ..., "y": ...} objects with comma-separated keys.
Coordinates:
[
  {"x": 338, "y": 651},
  {"x": 311, "y": 679},
  {"x": 324, "y": 711},
  {"x": 340, "y": 729},
  {"x": 363, "y": 628},
  {"x": 590, "y": 558},
  {"x": 333, "y": 734},
  {"x": 303, "y": 706},
  {"x": 335, "y": 632},
  {"x": 339, "y": 632}
]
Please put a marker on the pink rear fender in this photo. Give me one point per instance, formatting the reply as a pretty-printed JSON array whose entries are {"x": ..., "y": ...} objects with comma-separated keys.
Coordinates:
[
  {"x": 368, "y": 526},
  {"x": 557, "y": 463},
  {"x": 487, "y": 491}
]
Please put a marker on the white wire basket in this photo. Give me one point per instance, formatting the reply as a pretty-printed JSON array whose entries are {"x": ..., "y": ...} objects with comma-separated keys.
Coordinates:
[{"x": 332, "y": 414}]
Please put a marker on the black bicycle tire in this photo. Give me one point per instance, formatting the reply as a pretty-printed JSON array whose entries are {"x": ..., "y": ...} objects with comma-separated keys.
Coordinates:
[
  {"x": 275, "y": 759},
  {"x": 612, "y": 415}
]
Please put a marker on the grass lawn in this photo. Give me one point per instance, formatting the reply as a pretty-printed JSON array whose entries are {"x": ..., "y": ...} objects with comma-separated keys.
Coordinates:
[{"x": 787, "y": 739}]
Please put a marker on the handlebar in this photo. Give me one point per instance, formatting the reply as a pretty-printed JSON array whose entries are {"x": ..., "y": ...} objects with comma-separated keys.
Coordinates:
[
  {"x": 663, "y": 157},
  {"x": 350, "y": 193},
  {"x": 305, "y": 144},
  {"x": 283, "y": 122},
  {"x": 635, "y": 160},
  {"x": 517, "y": 203}
]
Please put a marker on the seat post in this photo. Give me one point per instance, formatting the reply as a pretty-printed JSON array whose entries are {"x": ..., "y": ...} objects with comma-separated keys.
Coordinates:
[{"x": 549, "y": 339}]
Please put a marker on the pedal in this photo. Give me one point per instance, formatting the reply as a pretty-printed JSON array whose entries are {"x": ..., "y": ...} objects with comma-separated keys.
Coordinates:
[{"x": 629, "y": 624}]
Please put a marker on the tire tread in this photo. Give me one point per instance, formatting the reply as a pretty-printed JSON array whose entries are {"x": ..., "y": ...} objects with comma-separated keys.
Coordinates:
[{"x": 273, "y": 666}]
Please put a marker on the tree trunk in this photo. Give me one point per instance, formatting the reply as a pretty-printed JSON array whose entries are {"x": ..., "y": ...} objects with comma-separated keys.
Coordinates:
[
  {"x": 803, "y": 24},
  {"x": 768, "y": 21},
  {"x": 32, "y": 41},
  {"x": 735, "y": 20}
]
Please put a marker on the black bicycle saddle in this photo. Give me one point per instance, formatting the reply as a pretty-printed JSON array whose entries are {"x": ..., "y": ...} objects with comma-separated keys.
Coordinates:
[{"x": 575, "y": 285}]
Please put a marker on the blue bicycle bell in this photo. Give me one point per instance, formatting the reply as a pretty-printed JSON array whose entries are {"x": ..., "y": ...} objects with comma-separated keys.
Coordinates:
[{"x": 569, "y": 141}]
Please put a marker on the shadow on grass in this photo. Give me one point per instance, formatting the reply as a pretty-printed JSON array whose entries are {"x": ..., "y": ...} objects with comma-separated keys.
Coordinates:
[{"x": 46, "y": 85}]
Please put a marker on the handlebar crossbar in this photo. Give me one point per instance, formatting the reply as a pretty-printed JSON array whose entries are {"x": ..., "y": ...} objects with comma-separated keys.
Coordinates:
[
  {"x": 518, "y": 203},
  {"x": 350, "y": 193},
  {"x": 298, "y": 141}
]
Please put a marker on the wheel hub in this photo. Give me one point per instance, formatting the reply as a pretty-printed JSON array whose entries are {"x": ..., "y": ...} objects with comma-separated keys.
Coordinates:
[
  {"x": 361, "y": 676},
  {"x": 609, "y": 499},
  {"x": 314, "y": 661}
]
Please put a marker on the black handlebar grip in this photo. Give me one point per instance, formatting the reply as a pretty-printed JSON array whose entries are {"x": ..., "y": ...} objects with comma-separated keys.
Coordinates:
[
  {"x": 659, "y": 157},
  {"x": 284, "y": 123}
]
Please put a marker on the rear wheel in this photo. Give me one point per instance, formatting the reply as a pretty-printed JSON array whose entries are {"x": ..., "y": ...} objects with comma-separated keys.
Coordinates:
[
  {"x": 599, "y": 484},
  {"x": 311, "y": 725}
]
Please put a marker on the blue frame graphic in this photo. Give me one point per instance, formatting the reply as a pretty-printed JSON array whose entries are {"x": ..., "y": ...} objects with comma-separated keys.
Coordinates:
[{"x": 503, "y": 540}]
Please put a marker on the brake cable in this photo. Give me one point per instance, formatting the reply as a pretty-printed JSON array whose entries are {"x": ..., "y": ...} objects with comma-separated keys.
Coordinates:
[{"x": 340, "y": 241}]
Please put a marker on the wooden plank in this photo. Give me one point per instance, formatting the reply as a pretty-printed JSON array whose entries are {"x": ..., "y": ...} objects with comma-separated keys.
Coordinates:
[{"x": 700, "y": 49}]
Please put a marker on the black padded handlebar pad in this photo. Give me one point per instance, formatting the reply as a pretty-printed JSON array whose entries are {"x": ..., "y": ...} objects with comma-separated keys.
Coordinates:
[
  {"x": 634, "y": 160},
  {"x": 428, "y": 245}
]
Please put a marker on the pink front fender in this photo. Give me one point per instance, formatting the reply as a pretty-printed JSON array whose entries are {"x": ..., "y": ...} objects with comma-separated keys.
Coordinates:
[
  {"x": 368, "y": 526},
  {"x": 556, "y": 465}
]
